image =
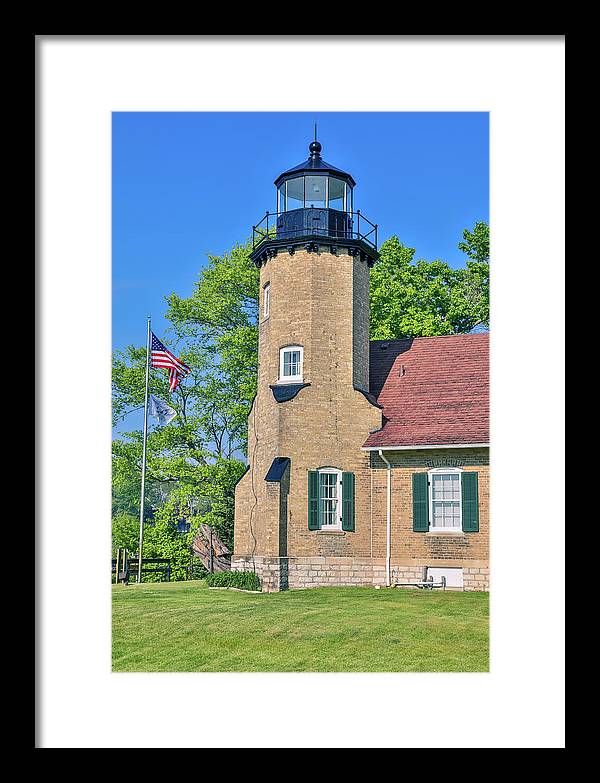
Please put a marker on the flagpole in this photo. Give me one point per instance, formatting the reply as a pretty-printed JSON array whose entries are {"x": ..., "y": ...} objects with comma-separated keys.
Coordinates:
[{"x": 141, "y": 542}]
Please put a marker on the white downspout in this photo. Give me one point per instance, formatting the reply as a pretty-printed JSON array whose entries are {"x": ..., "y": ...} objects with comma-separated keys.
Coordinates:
[{"x": 388, "y": 531}]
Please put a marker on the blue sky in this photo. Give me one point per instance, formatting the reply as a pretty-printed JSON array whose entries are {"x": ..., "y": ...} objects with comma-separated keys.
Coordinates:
[{"x": 189, "y": 184}]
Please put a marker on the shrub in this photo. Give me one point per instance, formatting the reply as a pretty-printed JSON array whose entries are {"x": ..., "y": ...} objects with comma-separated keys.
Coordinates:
[
  {"x": 125, "y": 532},
  {"x": 244, "y": 580}
]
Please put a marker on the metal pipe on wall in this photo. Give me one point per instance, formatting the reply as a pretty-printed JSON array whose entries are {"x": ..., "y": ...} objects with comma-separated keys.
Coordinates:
[{"x": 388, "y": 535}]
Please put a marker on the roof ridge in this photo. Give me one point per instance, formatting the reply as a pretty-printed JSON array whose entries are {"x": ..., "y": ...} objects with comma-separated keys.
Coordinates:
[{"x": 427, "y": 337}]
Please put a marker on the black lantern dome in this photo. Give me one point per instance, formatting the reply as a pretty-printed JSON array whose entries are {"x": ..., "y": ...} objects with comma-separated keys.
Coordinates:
[
  {"x": 314, "y": 206},
  {"x": 315, "y": 165}
]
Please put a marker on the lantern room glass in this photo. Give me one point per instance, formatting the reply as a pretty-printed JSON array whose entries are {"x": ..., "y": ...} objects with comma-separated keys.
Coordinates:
[
  {"x": 314, "y": 190},
  {"x": 337, "y": 192},
  {"x": 294, "y": 193}
]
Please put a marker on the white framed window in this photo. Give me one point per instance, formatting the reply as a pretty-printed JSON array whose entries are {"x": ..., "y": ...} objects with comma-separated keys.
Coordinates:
[
  {"x": 330, "y": 499},
  {"x": 266, "y": 299},
  {"x": 291, "y": 359},
  {"x": 445, "y": 500}
]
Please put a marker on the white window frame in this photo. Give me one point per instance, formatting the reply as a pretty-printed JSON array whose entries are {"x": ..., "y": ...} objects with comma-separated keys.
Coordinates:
[
  {"x": 430, "y": 475},
  {"x": 338, "y": 474},
  {"x": 266, "y": 300},
  {"x": 290, "y": 378}
]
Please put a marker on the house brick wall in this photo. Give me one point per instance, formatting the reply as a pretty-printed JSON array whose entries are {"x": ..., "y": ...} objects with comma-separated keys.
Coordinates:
[{"x": 410, "y": 551}]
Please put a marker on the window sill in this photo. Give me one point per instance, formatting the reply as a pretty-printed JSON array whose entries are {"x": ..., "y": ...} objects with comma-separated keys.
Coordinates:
[
  {"x": 331, "y": 532},
  {"x": 444, "y": 532},
  {"x": 289, "y": 381}
]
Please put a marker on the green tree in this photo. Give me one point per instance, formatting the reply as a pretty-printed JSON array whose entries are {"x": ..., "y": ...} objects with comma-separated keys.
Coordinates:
[
  {"x": 477, "y": 243},
  {"x": 194, "y": 462},
  {"x": 221, "y": 318},
  {"x": 473, "y": 292},
  {"x": 427, "y": 298},
  {"x": 125, "y": 529}
]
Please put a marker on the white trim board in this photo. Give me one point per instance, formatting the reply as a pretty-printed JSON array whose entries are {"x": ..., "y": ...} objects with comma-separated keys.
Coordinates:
[{"x": 428, "y": 446}]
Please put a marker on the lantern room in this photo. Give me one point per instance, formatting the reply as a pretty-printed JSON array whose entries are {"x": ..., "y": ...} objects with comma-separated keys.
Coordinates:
[
  {"x": 315, "y": 201},
  {"x": 314, "y": 184}
]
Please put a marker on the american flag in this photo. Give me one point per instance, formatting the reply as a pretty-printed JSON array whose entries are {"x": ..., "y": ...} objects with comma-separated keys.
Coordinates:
[{"x": 161, "y": 357}]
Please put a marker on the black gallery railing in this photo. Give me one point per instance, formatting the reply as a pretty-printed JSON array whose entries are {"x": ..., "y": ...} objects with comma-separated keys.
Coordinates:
[{"x": 314, "y": 221}]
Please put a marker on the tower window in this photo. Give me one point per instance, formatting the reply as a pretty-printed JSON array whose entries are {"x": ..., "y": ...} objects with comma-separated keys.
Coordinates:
[
  {"x": 330, "y": 507},
  {"x": 330, "y": 499},
  {"x": 290, "y": 364},
  {"x": 266, "y": 299}
]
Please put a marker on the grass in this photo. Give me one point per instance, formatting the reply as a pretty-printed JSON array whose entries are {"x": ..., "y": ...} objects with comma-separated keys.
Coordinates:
[{"x": 185, "y": 627}]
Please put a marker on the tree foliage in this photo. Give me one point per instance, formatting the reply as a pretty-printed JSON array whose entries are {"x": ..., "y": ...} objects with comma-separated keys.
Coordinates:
[
  {"x": 426, "y": 298},
  {"x": 125, "y": 530},
  {"x": 193, "y": 462},
  {"x": 477, "y": 243},
  {"x": 221, "y": 318},
  {"x": 475, "y": 286}
]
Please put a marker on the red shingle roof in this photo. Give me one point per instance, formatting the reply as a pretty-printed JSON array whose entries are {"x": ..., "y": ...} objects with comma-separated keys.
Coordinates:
[{"x": 434, "y": 390}]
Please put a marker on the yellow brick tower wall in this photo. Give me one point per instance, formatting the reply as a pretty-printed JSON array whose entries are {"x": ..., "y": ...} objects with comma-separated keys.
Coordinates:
[{"x": 318, "y": 300}]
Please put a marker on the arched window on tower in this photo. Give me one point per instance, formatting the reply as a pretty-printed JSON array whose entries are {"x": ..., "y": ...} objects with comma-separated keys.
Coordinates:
[{"x": 291, "y": 359}]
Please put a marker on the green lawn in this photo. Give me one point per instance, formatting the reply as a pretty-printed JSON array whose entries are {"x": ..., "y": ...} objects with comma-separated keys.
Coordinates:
[{"x": 185, "y": 627}]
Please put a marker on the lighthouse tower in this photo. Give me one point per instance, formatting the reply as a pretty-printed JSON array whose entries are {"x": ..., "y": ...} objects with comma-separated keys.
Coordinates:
[{"x": 305, "y": 497}]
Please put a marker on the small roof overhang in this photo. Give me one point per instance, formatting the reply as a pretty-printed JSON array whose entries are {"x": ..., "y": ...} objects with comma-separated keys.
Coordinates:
[
  {"x": 286, "y": 391},
  {"x": 277, "y": 469}
]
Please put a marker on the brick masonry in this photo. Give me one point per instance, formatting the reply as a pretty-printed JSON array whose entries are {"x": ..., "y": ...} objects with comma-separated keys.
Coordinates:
[
  {"x": 320, "y": 301},
  {"x": 469, "y": 551},
  {"x": 311, "y": 296}
]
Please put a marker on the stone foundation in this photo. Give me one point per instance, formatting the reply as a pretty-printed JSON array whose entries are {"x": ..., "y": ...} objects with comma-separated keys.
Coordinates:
[
  {"x": 476, "y": 579},
  {"x": 411, "y": 574},
  {"x": 297, "y": 573}
]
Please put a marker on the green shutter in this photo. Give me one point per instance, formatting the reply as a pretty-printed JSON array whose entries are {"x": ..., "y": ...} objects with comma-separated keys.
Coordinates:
[
  {"x": 313, "y": 500},
  {"x": 348, "y": 502},
  {"x": 420, "y": 502},
  {"x": 470, "y": 502}
]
